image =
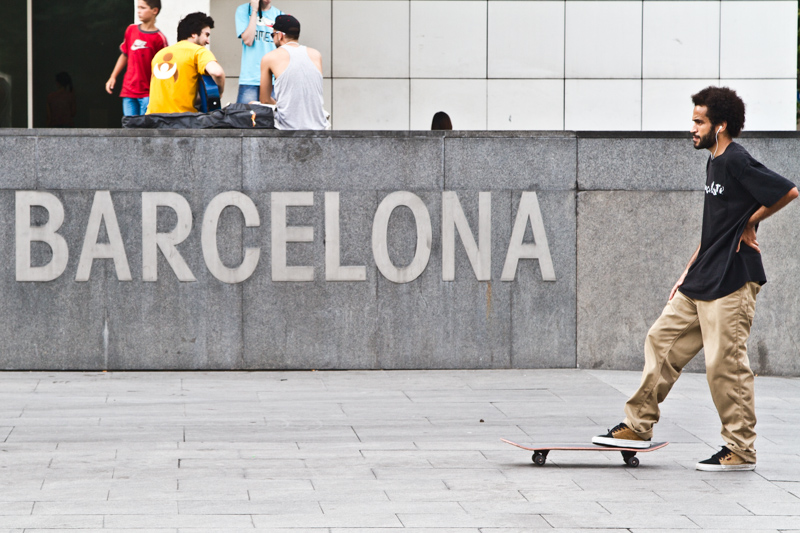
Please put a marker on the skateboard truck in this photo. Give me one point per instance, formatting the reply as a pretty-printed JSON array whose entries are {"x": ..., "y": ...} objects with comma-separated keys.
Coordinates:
[{"x": 540, "y": 458}]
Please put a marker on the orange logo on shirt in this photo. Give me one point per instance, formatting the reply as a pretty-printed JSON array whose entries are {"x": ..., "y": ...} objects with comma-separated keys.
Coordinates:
[{"x": 166, "y": 70}]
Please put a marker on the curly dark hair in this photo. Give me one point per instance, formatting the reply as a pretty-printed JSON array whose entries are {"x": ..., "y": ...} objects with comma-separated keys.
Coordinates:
[
  {"x": 723, "y": 105},
  {"x": 193, "y": 24}
]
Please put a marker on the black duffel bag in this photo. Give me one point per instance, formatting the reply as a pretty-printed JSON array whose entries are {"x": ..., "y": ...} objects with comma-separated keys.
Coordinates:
[{"x": 239, "y": 116}]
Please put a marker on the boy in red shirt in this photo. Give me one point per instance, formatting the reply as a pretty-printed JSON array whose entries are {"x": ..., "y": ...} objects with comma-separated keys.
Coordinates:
[{"x": 141, "y": 44}]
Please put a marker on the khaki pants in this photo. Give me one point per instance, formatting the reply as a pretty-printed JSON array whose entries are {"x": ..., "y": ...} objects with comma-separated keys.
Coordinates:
[{"x": 721, "y": 327}]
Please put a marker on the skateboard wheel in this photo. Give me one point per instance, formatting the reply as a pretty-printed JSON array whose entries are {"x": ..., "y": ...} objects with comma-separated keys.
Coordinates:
[
  {"x": 539, "y": 458},
  {"x": 630, "y": 459}
]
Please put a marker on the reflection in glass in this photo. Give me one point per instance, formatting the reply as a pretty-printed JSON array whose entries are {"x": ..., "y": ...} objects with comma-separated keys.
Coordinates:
[{"x": 80, "y": 37}]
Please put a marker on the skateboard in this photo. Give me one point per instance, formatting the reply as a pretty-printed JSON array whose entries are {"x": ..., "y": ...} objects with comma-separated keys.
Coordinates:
[{"x": 628, "y": 454}]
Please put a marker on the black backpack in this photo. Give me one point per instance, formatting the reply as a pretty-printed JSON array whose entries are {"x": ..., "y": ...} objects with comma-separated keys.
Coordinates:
[{"x": 234, "y": 116}]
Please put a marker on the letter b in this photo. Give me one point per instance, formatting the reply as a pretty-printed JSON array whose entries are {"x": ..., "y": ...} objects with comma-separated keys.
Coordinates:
[{"x": 26, "y": 234}]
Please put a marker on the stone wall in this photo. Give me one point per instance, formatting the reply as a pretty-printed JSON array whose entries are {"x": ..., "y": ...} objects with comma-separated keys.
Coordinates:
[{"x": 620, "y": 216}]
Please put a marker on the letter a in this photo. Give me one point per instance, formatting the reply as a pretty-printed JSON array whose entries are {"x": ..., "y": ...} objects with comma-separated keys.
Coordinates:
[
  {"x": 528, "y": 210},
  {"x": 103, "y": 211}
]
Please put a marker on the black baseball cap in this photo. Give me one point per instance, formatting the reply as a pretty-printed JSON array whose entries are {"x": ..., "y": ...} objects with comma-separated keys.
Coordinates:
[{"x": 287, "y": 24}]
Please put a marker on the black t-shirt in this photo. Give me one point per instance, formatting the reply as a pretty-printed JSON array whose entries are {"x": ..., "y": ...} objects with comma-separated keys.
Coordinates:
[{"x": 736, "y": 186}]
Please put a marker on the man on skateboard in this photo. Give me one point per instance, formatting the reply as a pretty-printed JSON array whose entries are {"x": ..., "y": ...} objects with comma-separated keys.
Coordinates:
[{"x": 713, "y": 302}]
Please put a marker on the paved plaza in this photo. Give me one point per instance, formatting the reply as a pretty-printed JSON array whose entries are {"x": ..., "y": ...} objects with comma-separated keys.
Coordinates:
[{"x": 371, "y": 452}]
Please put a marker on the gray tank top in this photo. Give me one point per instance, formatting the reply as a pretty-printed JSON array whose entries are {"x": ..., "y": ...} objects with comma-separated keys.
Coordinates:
[{"x": 298, "y": 91}]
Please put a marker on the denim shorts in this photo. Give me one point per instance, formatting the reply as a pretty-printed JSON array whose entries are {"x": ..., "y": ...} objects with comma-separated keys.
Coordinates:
[
  {"x": 134, "y": 106},
  {"x": 247, "y": 93}
]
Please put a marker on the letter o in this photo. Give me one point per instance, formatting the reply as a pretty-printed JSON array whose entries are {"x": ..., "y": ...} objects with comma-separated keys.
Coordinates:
[{"x": 380, "y": 228}]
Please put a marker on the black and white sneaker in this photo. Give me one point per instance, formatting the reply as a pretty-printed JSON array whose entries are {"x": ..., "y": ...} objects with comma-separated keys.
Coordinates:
[
  {"x": 621, "y": 436},
  {"x": 724, "y": 460}
]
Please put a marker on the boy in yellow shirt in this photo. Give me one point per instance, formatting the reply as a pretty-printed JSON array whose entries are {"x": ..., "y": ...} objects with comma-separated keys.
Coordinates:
[{"x": 177, "y": 68}]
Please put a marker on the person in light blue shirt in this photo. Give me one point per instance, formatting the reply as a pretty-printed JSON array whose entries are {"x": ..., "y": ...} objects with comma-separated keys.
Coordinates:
[{"x": 254, "y": 22}]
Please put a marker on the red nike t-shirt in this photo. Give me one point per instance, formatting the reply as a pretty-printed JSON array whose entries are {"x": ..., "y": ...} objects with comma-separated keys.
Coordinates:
[{"x": 140, "y": 47}]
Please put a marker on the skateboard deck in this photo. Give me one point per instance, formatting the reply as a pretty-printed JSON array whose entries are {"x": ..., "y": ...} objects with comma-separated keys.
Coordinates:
[{"x": 628, "y": 454}]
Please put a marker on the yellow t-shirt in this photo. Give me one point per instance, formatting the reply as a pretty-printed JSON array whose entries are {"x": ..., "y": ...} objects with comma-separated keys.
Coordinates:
[{"x": 176, "y": 70}]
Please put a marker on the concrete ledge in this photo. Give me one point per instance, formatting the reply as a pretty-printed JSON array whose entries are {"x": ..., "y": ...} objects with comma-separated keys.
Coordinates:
[{"x": 620, "y": 212}]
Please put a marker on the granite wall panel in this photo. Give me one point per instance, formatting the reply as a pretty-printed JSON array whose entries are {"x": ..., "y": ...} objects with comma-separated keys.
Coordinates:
[
  {"x": 621, "y": 213},
  {"x": 640, "y": 163},
  {"x": 315, "y": 324},
  {"x": 543, "y": 312},
  {"x": 632, "y": 248},
  {"x": 18, "y": 162},
  {"x": 58, "y": 324}
]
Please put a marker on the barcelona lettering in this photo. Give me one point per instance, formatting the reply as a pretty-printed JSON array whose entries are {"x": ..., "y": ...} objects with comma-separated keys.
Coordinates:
[{"x": 102, "y": 214}]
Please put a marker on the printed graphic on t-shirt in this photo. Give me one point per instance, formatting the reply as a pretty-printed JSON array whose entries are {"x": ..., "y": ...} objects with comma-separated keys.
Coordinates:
[
  {"x": 264, "y": 35},
  {"x": 264, "y": 21},
  {"x": 139, "y": 44},
  {"x": 166, "y": 70},
  {"x": 715, "y": 189}
]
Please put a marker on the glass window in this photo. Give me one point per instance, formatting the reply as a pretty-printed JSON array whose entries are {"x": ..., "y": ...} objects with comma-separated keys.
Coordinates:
[
  {"x": 80, "y": 38},
  {"x": 13, "y": 65}
]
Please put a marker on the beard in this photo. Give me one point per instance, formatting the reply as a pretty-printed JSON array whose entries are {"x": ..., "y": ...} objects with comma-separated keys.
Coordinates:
[{"x": 706, "y": 141}]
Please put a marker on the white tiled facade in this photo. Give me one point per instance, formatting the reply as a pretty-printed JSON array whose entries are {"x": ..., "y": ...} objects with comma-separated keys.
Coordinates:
[{"x": 539, "y": 64}]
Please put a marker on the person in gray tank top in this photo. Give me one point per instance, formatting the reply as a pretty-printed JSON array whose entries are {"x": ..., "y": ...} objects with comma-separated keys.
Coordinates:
[{"x": 297, "y": 71}]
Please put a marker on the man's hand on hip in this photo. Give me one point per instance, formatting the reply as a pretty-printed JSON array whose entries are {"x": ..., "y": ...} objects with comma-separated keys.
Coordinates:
[{"x": 749, "y": 238}]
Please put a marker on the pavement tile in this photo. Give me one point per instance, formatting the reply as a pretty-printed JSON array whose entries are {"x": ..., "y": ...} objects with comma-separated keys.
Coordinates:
[
  {"x": 130, "y": 507},
  {"x": 14, "y": 507},
  {"x": 52, "y": 522},
  {"x": 86, "y": 483},
  {"x": 236, "y": 463},
  {"x": 343, "y": 485},
  {"x": 714, "y": 497},
  {"x": 257, "y": 530},
  {"x": 177, "y": 521},
  {"x": 427, "y": 495},
  {"x": 412, "y": 530},
  {"x": 746, "y": 523},
  {"x": 550, "y": 530},
  {"x": 323, "y": 495},
  {"x": 250, "y": 507},
  {"x": 595, "y": 495},
  {"x": 326, "y": 520},
  {"x": 156, "y": 530},
  {"x": 206, "y": 494},
  {"x": 690, "y": 507},
  {"x": 534, "y": 508},
  {"x": 483, "y": 474},
  {"x": 421, "y": 520},
  {"x": 623, "y": 521},
  {"x": 389, "y": 507},
  {"x": 194, "y": 485},
  {"x": 695, "y": 530},
  {"x": 38, "y": 495}
]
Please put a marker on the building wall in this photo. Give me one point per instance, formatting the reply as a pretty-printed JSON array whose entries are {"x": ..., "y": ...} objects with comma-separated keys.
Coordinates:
[
  {"x": 172, "y": 11},
  {"x": 540, "y": 64},
  {"x": 618, "y": 214}
]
